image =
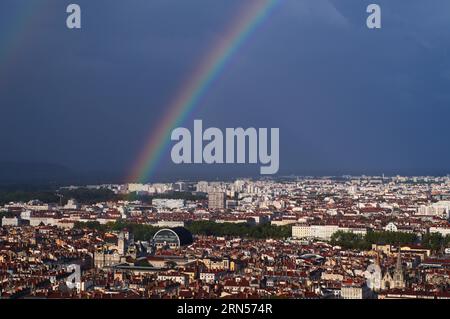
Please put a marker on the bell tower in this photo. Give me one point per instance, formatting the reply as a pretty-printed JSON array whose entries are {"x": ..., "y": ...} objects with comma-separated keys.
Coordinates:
[{"x": 399, "y": 280}]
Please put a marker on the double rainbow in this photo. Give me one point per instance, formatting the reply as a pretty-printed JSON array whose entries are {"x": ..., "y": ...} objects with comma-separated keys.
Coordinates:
[{"x": 196, "y": 86}]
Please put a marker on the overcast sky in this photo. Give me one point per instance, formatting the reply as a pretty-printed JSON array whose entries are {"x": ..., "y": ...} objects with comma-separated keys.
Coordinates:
[{"x": 346, "y": 99}]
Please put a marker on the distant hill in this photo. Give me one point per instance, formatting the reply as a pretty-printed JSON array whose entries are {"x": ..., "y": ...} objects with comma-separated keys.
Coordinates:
[
  {"x": 41, "y": 173},
  {"x": 34, "y": 173}
]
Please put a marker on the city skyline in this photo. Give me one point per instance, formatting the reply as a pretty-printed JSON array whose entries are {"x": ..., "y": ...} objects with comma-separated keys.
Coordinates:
[
  {"x": 347, "y": 100},
  {"x": 372, "y": 237}
]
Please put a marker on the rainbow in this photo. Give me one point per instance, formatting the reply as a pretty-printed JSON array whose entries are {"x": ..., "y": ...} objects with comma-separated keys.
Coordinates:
[
  {"x": 18, "y": 32},
  {"x": 189, "y": 95}
]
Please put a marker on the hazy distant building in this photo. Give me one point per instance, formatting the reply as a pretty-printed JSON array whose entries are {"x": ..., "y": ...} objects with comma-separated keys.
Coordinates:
[
  {"x": 36, "y": 205},
  {"x": 216, "y": 200},
  {"x": 139, "y": 188},
  {"x": 167, "y": 204},
  {"x": 72, "y": 204},
  {"x": 440, "y": 209},
  {"x": 202, "y": 187},
  {"x": 180, "y": 187},
  {"x": 232, "y": 204}
]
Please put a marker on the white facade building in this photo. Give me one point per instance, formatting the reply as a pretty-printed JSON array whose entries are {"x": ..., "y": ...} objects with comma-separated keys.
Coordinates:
[
  {"x": 178, "y": 278},
  {"x": 164, "y": 204},
  {"x": 444, "y": 231},
  {"x": 391, "y": 227},
  {"x": 10, "y": 221},
  {"x": 323, "y": 232},
  {"x": 72, "y": 204},
  {"x": 354, "y": 291},
  {"x": 440, "y": 209}
]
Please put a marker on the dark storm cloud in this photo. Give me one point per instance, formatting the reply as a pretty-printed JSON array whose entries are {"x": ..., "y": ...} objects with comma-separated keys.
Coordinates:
[{"x": 346, "y": 99}]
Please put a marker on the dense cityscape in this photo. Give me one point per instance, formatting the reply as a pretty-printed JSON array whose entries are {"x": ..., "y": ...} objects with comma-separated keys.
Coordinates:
[{"x": 332, "y": 237}]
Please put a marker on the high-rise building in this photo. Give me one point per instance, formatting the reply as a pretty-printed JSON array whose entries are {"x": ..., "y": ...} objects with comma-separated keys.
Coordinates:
[
  {"x": 216, "y": 200},
  {"x": 179, "y": 187},
  {"x": 202, "y": 187}
]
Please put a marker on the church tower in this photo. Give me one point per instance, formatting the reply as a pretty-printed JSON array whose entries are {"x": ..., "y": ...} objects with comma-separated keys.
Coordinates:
[
  {"x": 399, "y": 280},
  {"x": 122, "y": 243}
]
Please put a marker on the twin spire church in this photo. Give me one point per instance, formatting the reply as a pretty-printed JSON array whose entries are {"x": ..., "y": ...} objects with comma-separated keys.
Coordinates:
[{"x": 377, "y": 280}]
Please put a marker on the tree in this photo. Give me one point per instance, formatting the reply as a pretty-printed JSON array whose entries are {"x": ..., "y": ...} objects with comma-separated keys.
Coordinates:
[
  {"x": 350, "y": 240},
  {"x": 433, "y": 241}
]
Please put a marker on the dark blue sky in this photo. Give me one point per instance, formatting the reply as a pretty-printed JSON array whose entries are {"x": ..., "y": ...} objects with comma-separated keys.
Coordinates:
[{"x": 346, "y": 99}]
